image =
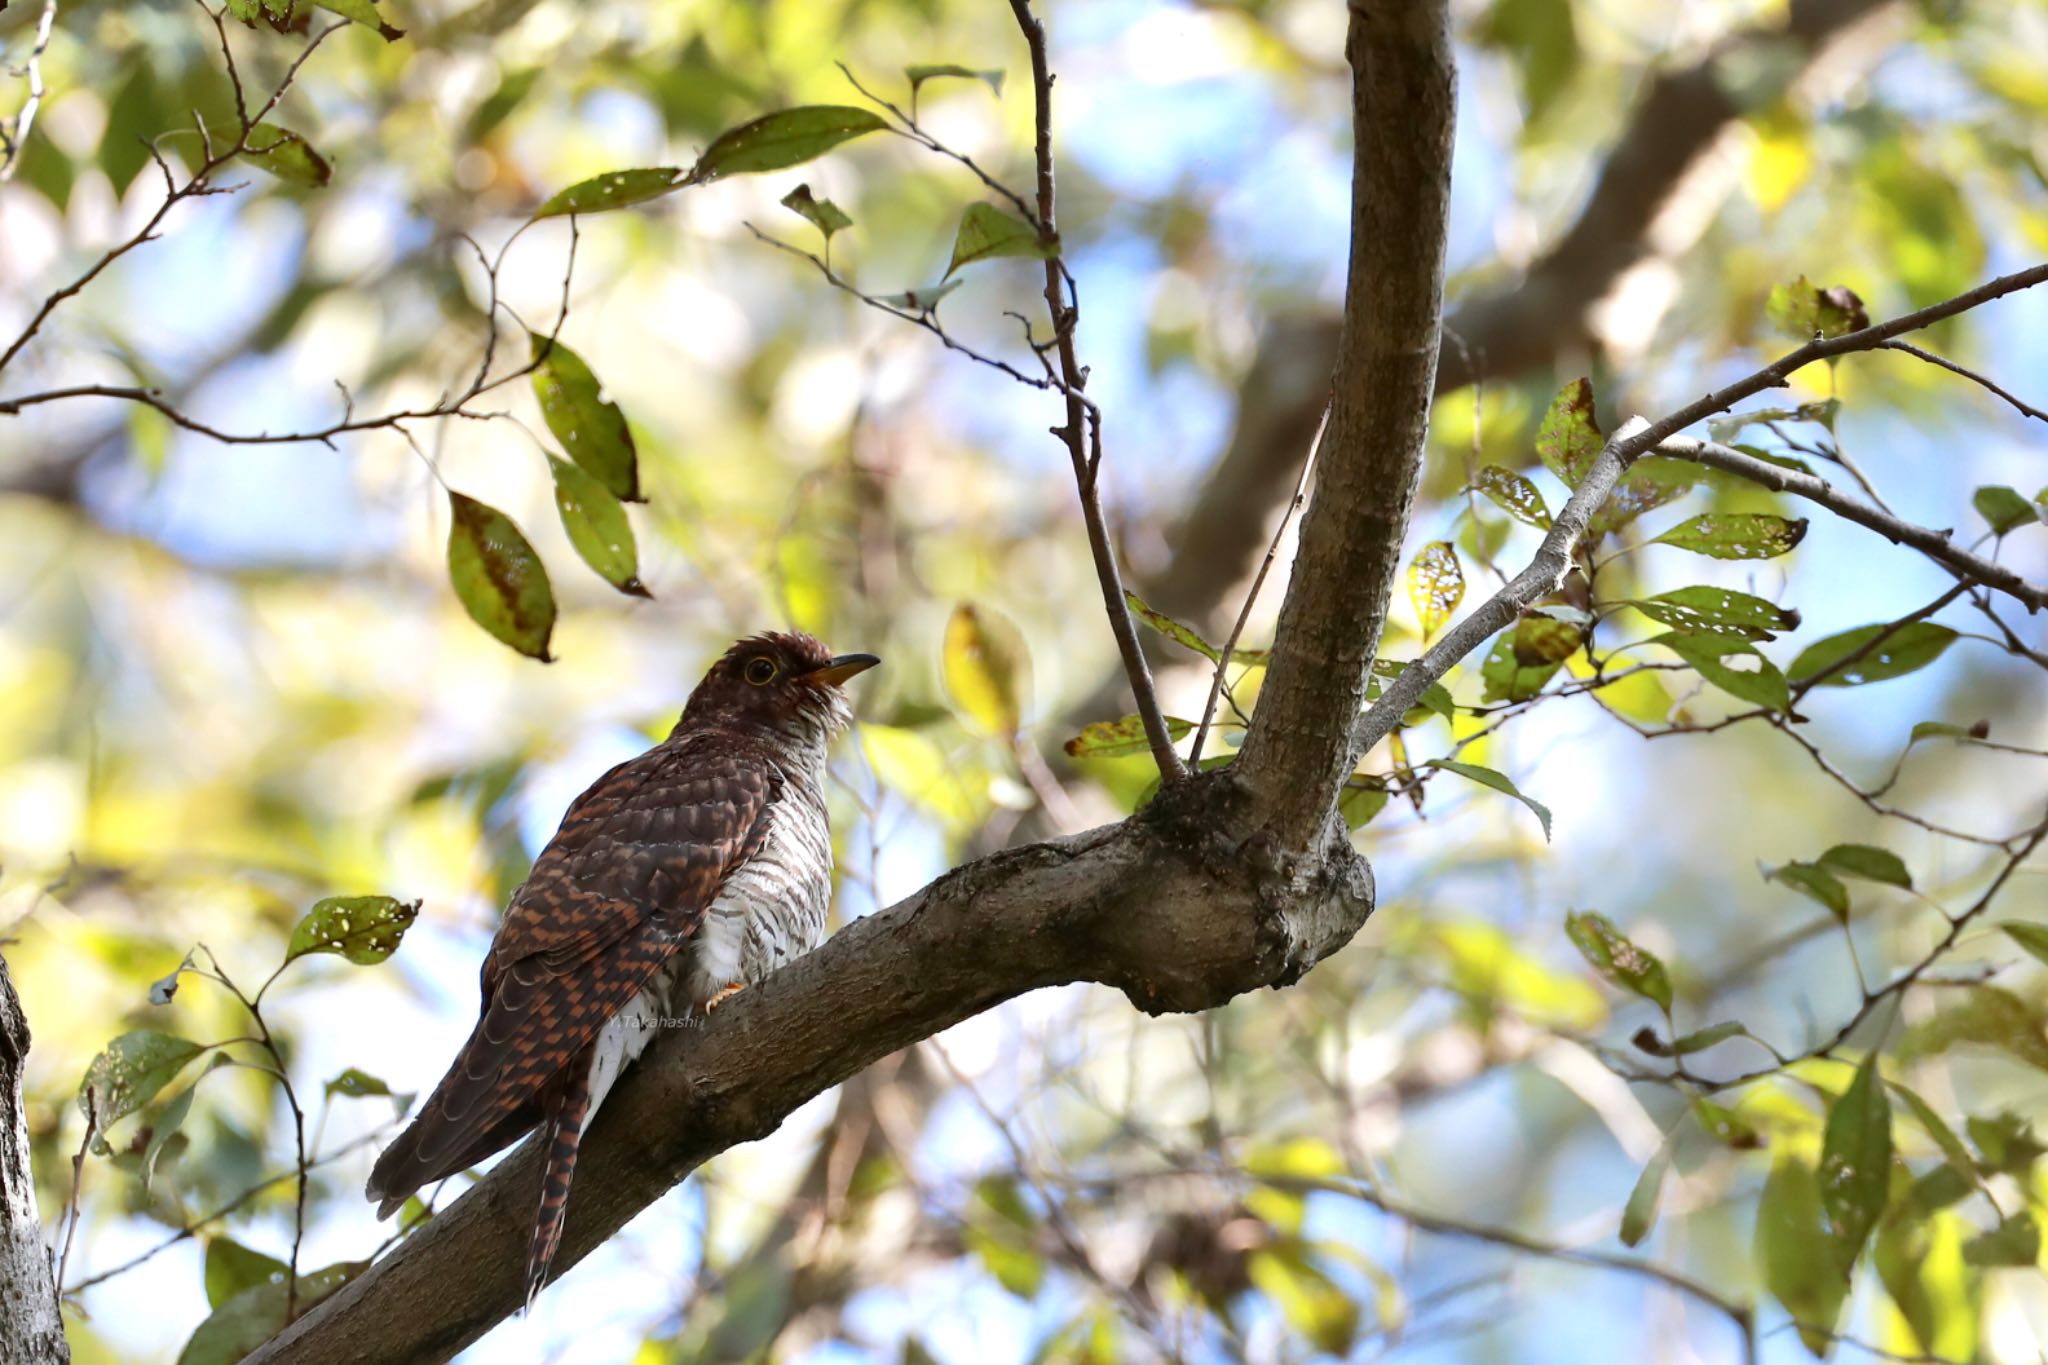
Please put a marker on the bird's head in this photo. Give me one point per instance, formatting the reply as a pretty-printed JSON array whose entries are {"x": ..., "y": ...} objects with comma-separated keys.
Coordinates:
[{"x": 785, "y": 683}]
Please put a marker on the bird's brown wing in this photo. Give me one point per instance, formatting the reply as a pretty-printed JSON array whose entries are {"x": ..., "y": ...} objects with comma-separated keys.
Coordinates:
[{"x": 628, "y": 877}]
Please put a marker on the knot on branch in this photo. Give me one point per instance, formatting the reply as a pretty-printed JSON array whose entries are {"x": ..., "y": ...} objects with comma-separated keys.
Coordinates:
[{"x": 1210, "y": 912}]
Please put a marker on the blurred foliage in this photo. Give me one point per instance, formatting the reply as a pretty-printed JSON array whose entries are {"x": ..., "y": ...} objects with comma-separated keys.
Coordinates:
[{"x": 248, "y": 708}]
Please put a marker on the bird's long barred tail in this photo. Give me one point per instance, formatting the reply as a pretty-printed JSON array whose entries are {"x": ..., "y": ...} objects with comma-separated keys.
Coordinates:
[{"x": 559, "y": 1139}]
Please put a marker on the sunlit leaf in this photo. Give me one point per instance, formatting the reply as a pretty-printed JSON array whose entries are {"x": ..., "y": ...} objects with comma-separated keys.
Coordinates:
[
  {"x": 1796, "y": 1254},
  {"x": 1984, "y": 1015},
  {"x": 288, "y": 156},
  {"x": 1726, "y": 1126},
  {"x": 1708, "y": 652},
  {"x": 826, "y": 216},
  {"x": 1618, "y": 959},
  {"x": 588, "y": 424},
  {"x": 1487, "y": 777},
  {"x": 363, "y": 12},
  {"x": 1648, "y": 485},
  {"x": 1736, "y": 535},
  {"x": 2004, "y": 508},
  {"x": 987, "y": 669},
  {"x": 613, "y": 190},
  {"x": 1125, "y": 735},
  {"x": 1702, "y": 608},
  {"x": 1944, "y": 1137},
  {"x": 2032, "y": 937},
  {"x": 1509, "y": 675},
  {"x": 2005, "y": 1142},
  {"x": 1360, "y": 801},
  {"x": 254, "y": 1315},
  {"x": 1802, "y": 310},
  {"x": 1436, "y": 584},
  {"x": 130, "y": 1072},
  {"x": 498, "y": 578},
  {"x": 1514, "y": 494},
  {"x": 1569, "y": 439},
  {"x": 920, "y": 300},
  {"x": 363, "y": 929},
  {"x": 909, "y": 763},
  {"x": 1856, "y": 1161},
  {"x": 2014, "y": 1242},
  {"x": 1184, "y": 634},
  {"x": 1312, "y": 1304},
  {"x": 1487, "y": 967},
  {"x": 598, "y": 527},
  {"x": 1906, "y": 650},
  {"x": 789, "y": 137},
  {"x": 1639, "y": 1215},
  {"x": 1871, "y": 864},
  {"x": 987, "y": 232}
]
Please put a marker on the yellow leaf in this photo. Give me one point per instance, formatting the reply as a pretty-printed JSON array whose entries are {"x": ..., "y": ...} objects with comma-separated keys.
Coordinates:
[
  {"x": 987, "y": 669},
  {"x": 1436, "y": 584}
]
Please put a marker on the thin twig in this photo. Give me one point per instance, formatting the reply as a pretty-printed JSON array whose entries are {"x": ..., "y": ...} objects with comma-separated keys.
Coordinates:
[
  {"x": 14, "y": 131},
  {"x": 1966, "y": 372}
]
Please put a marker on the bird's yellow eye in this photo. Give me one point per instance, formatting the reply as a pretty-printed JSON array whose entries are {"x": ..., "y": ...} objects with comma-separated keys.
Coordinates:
[{"x": 761, "y": 670}]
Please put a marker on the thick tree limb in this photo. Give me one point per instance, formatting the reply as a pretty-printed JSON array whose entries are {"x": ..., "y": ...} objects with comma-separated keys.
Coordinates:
[
  {"x": 1403, "y": 108},
  {"x": 1165, "y": 907},
  {"x": 31, "y": 1325}
]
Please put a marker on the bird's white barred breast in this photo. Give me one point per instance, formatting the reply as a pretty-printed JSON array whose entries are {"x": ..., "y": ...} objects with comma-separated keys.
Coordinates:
[{"x": 770, "y": 912}]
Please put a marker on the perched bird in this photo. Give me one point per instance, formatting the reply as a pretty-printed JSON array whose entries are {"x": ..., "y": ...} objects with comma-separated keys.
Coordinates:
[{"x": 681, "y": 875}]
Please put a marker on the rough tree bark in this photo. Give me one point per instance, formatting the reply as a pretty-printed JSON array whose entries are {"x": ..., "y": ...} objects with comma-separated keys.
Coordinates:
[
  {"x": 1218, "y": 887},
  {"x": 31, "y": 1325}
]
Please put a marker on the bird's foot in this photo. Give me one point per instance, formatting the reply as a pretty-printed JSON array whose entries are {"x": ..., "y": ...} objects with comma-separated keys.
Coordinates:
[{"x": 723, "y": 994}]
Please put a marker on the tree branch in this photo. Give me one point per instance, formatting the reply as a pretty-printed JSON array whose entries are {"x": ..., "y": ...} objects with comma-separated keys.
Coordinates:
[
  {"x": 31, "y": 1325},
  {"x": 1403, "y": 108}
]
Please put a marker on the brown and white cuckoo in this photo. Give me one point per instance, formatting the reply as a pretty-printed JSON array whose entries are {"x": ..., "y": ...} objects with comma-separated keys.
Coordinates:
[{"x": 680, "y": 876}]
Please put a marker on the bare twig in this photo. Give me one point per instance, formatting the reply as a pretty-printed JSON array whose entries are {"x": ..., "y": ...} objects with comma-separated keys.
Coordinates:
[
  {"x": 14, "y": 131},
  {"x": 2026, "y": 408},
  {"x": 92, "y": 1126}
]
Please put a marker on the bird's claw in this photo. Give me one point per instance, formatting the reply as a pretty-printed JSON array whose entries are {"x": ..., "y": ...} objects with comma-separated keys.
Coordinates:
[{"x": 723, "y": 994}]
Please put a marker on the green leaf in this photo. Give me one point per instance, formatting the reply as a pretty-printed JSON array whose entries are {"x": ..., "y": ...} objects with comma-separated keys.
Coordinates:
[
  {"x": 1986, "y": 1016},
  {"x": 930, "y": 71},
  {"x": 1640, "y": 1213},
  {"x": 920, "y": 300},
  {"x": 232, "y": 1268},
  {"x": 1944, "y": 1137},
  {"x": 1870, "y": 864},
  {"x": 498, "y": 578},
  {"x": 256, "y": 1314},
  {"x": 987, "y": 669},
  {"x": 1618, "y": 959},
  {"x": 1905, "y": 650},
  {"x": 2003, "y": 507},
  {"x": 1726, "y": 1126},
  {"x": 1436, "y": 584},
  {"x": 1706, "y": 653},
  {"x": 613, "y": 190},
  {"x": 1487, "y": 777},
  {"x": 598, "y": 527},
  {"x": 987, "y": 232},
  {"x": 1796, "y": 1254},
  {"x": 2032, "y": 937},
  {"x": 822, "y": 214},
  {"x": 1514, "y": 494},
  {"x": 1941, "y": 729},
  {"x": 1569, "y": 439},
  {"x": 1435, "y": 697},
  {"x": 363, "y": 12},
  {"x": 1856, "y": 1161},
  {"x": 789, "y": 137},
  {"x": 1360, "y": 801},
  {"x": 1817, "y": 882},
  {"x": 1686, "y": 1044},
  {"x": 1648, "y": 485},
  {"x": 2006, "y": 1143},
  {"x": 1802, "y": 310},
  {"x": 1736, "y": 535},
  {"x": 1701, "y": 608},
  {"x": 131, "y": 1071},
  {"x": 288, "y": 156},
  {"x": 2014, "y": 1242},
  {"x": 166, "y": 1122},
  {"x": 590, "y": 426},
  {"x": 356, "y": 1085},
  {"x": 1518, "y": 665},
  {"x": 1183, "y": 634},
  {"x": 1125, "y": 735},
  {"x": 363, "y": 929},
  {"x": 1724, "y": 429}
]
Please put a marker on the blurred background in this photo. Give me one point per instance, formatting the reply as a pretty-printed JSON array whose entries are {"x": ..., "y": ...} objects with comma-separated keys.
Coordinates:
[{"x": 235, "y": 679}]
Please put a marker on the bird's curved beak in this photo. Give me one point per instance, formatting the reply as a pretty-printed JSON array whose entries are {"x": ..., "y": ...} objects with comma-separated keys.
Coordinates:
[{"x": 843, "y": 667}]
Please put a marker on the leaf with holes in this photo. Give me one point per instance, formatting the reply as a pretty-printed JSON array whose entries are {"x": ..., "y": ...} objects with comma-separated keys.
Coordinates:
[
  {"x": 1736, "y": 535},
  {"x": 987, "y": 668},
  {"x": 288, "y": 156},
  {"x": 822, "y": 214},
  {"x": 498, "y": 578},
  {"x": 1703, "y": 608},
  {"x": 1487, "y": 777},
  {"x": 987, "y": 232},
  {"x": 1436, "y": 584},
  {"x": 363, "y": 929},
  {"x": 1569, "y": 439},
  {"x": 589, "y": 425},
  {"x": 786, "y": 138},
  {"x": 598, "y": 528},
  {"x": 1904, "y": 650},
  {"x": 1514, "y": 494},
  {"x": 1816, "y": 882},
  {"x": 2004, "y": 508},
  {"x": 1616, "y": 957},
  {"x": 1803, "y": 310},
  {"x": 1521, "y": 660},
  {"x": 1856, "y": 1161},
  {"x": 613, "y": 190},
  {"x": 1648, "y": 485},
  {"x": 1707, "y": 654},
  {"x": 1124, "y": 735},
  {"x": 1870, "y": 864},
  {"x": 130, "y": 1072}
]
